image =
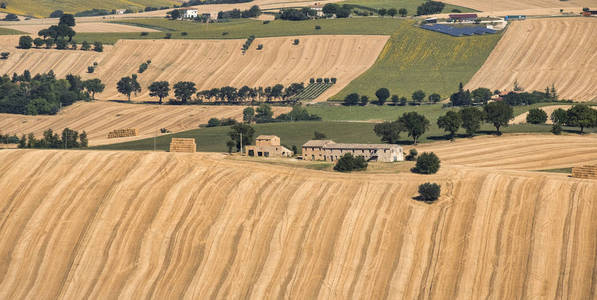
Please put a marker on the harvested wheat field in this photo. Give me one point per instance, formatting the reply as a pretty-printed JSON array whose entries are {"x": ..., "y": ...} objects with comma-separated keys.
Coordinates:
[
  {"x": 89, "y": 225},
  {"x": 529, "y": 54},
  {"x": 82, "y": 27},
  {"x": 518, "y": 151},
  {"x": 209, "y": 63},
  {"x": 513, "y": 5},
  {"x": 100, "y": 117}
]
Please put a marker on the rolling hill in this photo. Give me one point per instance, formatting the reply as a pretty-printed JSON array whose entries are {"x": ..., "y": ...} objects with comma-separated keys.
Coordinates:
[
  {"x": 43, "y": 8},
  {"x": 91, "y": 224}
]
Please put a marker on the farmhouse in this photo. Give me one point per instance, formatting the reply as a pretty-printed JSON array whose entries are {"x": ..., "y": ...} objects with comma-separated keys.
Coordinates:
[
  {"x": 268, "y": 146},
  {"x": 190, "y": 14},
  {"x": 318, "y": 8},
  {"x": 331, "y": 151},
  {"x": 120, "y": 11},
  {"x": 463, "y": 17}
]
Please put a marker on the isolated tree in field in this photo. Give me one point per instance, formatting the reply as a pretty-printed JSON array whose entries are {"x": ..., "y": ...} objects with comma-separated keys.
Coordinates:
[
  {"x": 418, "y": 96},
  {"x": 403, "y": 12},
  {"x": 184, "y": 90},
  {"x": 415, "y": 124},
  {"x": 471, "y": 119},
  {"x": 25, "y": 42},
  {"x": 128, "y": 85},
  {"x": 38, "y": 42},
  {"x": 537, "y": 116},
  {"x": 247, "y": 132},
  {"x": 392, "y": 12},
  {"x": 382, "y": 95},
  {"x": 481, "y": 95},
  {"x": 160, "y": 89},
  {"x": 67, "y": 19},
  {"x": 429, "y": 191},
  {"x": 248, "y": 115},
  {"x": 388, "y": 131},
  {"x": 348, "y": 163},
  {"x": 450, "y": 122},
  {"x": 582, "y": 116},
  {"x": 434, "y": 98},
  {"x": 351, "y": 99},
  {"x": 94, "y": 86},
  {"x": 498, "y": 114},
  {"x": 427, "y": 163}
]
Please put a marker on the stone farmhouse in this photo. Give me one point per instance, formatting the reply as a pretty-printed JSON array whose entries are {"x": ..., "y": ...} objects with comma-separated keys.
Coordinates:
[
  {"x": 268, "y": 146},
  {"x": 331, "y": 151}
]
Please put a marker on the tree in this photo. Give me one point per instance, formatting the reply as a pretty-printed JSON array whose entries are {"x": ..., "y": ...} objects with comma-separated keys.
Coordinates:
[
  {"x": 559, "y": 117},
  {"x": 364, "y": 100},
  {"x": 56, "y": 14},
  {"x": 248, "y": 115},
  {"x": 84, "y": 140},
  {"x": 412, "y": 155},
  {"x": 175, "y": 14},
  {"x": 238, "y": 129},
  {"x": 450, "y": 122},
  {"x": 382, "y": 12},
  {"x": 348, "y": 163},
  {"x": 471, "y": 119},
  {"x": 395, "y": 100},
  {"x": 38, "y": 42},
  {"x": 461, "y": 98},
  {"x": 415, "y": 124},
  {"x": 319, "y": 135},
  {"x": 160, "y": 89},
  {"x": 94, "y": 86},
  {"x": 430, "y": 8},
  {"x": 388, "y": 131},
  {"x": 382, "y": 95},
  {"x": 427, "y": 163},
  {"x": 25, "y": 42},
  {"x": 403, "y": 12},
  {"x": 230, "y": 144},
  {"x": 418, "y": 96},
  {"x": 434, "y": 98},
  {"x": 536, "y": 116},
  {"x": 392, "y": 12},
  {"x": 128, "y": 85},
  {"x": 330, "y": 8},
  {"x": 342, "y": 13},
  {"x": 67, "y": 19},
  {"x": 481, "y": 95},
  {"x": 98, "y": 47},
  {"x": 582, "y": 116},
  {"x": 184, "y": 90},
  {"x": 264, "y": 113},
  {"x": 498, "y": 114},
  {"x": 351, "y": 99},
  {"x": 429, "y": 191},
  {"x": 85, "y": 46}
]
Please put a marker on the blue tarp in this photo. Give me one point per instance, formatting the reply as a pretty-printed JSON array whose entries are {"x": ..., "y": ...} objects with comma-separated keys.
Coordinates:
[{"x": 458, "y": 31}]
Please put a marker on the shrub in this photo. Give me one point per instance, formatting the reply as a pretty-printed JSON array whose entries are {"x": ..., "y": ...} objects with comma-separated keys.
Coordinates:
[
  {"x": 348, "y": 163},
  {"x": 225, "y": 33},
  {"x": 144, "y": 33},
  {"x": 312, "y": 80},
  {"x": 266, "y": 22},
  {"x": 326, "y": 80},
  {"x": 168, "y": 36},
  {"x": 536, "y": 116},
  {"x": 260, "y": 46},
  {"x": 556, "y": 129},
  {"x": 184, "y": 33},
  {"x": 317, "y": 27},
  {"x": 333, "y": 79},
  {"x": 85, "y": 46},
  {"x": 213, "y": 122},
  {"x": 319, "y": 80},
  {"x": 98, "y": 47},
  {"x": 4, "y": 55},
  {"x": 25, "y": 42},
  {"x": 164, "y": 130},
  {"x": 429, "y": 191},
  {"x": 295, "y": 42},
  {"x": 351, "y": 99},
  {"x": 143, "y": 67},
  {"x": 427, "y": 163},
  {"x": 90, "y": 69},
  {"x": 412, "y": 155}
]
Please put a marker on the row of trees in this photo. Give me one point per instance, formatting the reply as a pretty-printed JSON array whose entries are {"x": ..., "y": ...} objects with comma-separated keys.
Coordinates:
[
  {"x": 27, "y": 42},
  {"x": 67, "y": 140},
  {"x": 383, "y": 94},
  {"x": 43, "y": 93},
  {"x": 580, "y": 115},
  {"x": 264, "y": 114},
  {"x": 481, "y": 96},
  {"x": 236, "y": 13}
]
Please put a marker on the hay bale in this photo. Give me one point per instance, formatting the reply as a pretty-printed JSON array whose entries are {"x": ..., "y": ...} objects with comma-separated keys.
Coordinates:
[
  {"x": 118, "y": 133},
  {"x": 186, "y": 145},
  {"x": 585, "y": 172}
]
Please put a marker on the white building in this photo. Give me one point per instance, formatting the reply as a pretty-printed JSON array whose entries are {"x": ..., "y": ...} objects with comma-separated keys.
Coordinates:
[{"x": 190, "y": 14}]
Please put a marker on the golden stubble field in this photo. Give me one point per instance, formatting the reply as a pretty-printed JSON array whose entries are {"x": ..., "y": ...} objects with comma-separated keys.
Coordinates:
[
  {"x": 100, "y": 117},
  {"x": 208, "y": 63},
  {"x": 93, "y": 224},
  {"x": 541, "y": 52}
]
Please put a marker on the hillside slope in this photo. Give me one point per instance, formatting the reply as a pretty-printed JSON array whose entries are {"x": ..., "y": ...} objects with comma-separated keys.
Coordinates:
[
  {"x": 529, "y": 53},
  {"x": 209, "y": 63},
  {"x": 43, "y": 8},
  {"x": 84, "y": 224}
]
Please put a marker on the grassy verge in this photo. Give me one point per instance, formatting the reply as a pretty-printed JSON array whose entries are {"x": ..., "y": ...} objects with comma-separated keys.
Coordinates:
[
  {"x": 8, "y": 31},
  {"x": 410, "y": 5},
  {"x": 240, "y": 29},
  {"x": 416, "y": 59},
  {"x": 562, "y": 170}
]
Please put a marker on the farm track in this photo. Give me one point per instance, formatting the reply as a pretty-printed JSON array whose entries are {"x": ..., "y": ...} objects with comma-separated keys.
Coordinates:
[
  {"x": 208, "y": 63},
  {"x": 529, "y": 54},
  {"x": 100, "y": 117},
  {"x": 517, "y": 151},
  {"x": 89, "y": 224}
]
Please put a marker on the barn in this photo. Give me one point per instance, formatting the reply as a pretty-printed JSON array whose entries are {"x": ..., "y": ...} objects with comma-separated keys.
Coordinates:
[{"x": 463, "y": 17}]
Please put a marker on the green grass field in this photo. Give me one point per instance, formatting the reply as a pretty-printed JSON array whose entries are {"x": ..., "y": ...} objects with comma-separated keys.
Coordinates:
[
  {"x": 410, "y": 5},
  {"x": 416, "y": 59},
  {"x": 243, "y": 28},
  {"x": 8, "y": 31},
  {"x": 43, "y": 8}
]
